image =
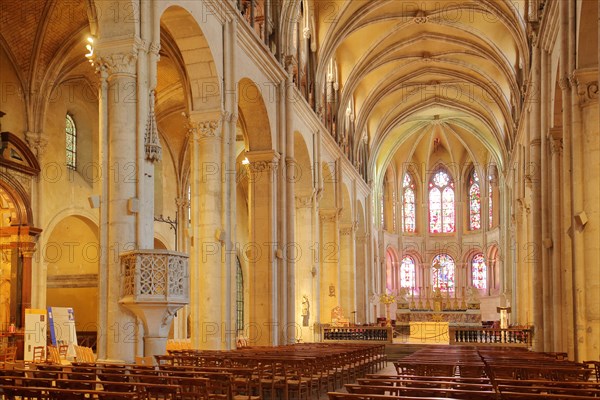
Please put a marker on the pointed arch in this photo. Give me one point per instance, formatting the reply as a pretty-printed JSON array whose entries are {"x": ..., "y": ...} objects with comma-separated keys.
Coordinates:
[
  {"x": 474, "y": 192},
  {"x": 409, "y": 213},
  {"x": 441, "y": 202}
]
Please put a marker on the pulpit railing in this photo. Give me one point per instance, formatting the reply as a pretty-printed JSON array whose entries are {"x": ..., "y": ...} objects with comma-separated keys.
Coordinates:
[
  {"x": 155, "y": 276},
  {"x": 491, "y": 336}
]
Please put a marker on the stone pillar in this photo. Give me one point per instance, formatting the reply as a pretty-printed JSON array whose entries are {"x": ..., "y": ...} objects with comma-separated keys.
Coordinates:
[
  {"x": 556, "y": 182},
  {"x": 180, "y": 330},
  {"x": 38, "y": 141},
  {"x": 565, "y": 68},
  {"x": 587, "y": 212},
  {"x": 544, "y": 99},
  {"x": 304, "y": 265},
  {"x": 263, "y": 247},
  {"x": 536, "y": 206},
  {"x": 27, "y": 255},
  {"x": 329, "y": 255},
  {"x": 347, "y": 289},
  {"x": 206, "y": 262},
  {"x": 362, "y": 277},
  {"x": 117, "y": 60}
]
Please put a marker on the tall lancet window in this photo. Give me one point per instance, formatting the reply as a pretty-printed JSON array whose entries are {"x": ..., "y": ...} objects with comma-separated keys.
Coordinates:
[
  {"x": 478, "y": 272},
  {"x": 491, "y": 201},
  {"x": 474, "y": 202},
  {"x": 408, "y": 205},
  {"x": 71, "y": 142},
  {"x": 407, "y": 273},
  {"x": 441, "y": 203}
]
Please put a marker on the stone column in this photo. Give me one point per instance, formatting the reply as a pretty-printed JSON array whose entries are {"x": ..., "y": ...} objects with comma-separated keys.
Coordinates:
[
  {"x": 117, "y": 60},
  {"x": 556, "y": 182},
  {"x": 586, "y": 150},
  {"x": 362, "y": 277},
  {"x": 536, "y": 206},
  {"x": 180, "y": 331},
  {"x": 263, "y": 247},
  {"x": 27, "y": 251},
  {"x": 565, "y": 67},
  {"x": 304, "y": 265},
  {"x": 347, "y": 290},
  {"x": 38, "y": 141},
  {"x": 329, "y": 252},
  {"x": 206, "y": 262}
]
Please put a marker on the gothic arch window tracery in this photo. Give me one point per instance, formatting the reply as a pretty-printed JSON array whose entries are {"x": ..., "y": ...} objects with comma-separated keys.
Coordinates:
[
  {"x": 71, "y": 142},
  {"x": 407, "y": 273},
  {"x": 408, "y": 204},
  {"x": 478, "y": 272},
  {"x": 474, "y": 202},
  {"x": 441, "y": 203}
]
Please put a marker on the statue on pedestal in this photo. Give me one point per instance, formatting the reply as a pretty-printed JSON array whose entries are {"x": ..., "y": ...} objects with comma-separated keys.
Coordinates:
[{"x": 305, "y": 310}]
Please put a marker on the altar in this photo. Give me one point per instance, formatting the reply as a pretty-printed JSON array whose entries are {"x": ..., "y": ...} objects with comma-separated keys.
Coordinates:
[
  {"x": 434, "y": 312},
  {"x": 452, "y": 317}
]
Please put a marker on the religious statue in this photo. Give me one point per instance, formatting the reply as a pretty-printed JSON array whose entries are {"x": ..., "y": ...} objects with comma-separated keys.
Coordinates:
[
  {"x": 402, "y": 297},
  {"x": 472, "y": 295},
  {"x": 305, "y": 310},
  {"x": 337, "y": 317},
  {"x": 331, "y": 290}
]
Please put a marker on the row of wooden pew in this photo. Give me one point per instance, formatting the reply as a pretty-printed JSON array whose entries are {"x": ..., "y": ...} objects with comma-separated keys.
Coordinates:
[
  {"x": 479, "y": 373},
  {"x": 285, "y": 372}
]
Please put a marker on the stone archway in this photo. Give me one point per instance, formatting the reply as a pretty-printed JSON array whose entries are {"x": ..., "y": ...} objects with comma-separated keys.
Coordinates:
[{"x": 18, "y": 236}]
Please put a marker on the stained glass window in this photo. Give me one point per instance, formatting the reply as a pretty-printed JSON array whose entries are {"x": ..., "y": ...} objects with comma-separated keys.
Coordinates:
[
  {"x": 394, "y": 205},
  {"x": 382, "y": 207},
  {"x": 71, "y": 142},
  {"x": 441, "y": 203},
  {"x": 408, "y": 205},
  {"x": 479, "y": 272},
  {"x": 407, "y": 273},
  {"x": 491, "y": 200},
  {"x": 239, "y": 297},
  {"x": 474, "y": 202},
  {"x": 442, "y": 272}
]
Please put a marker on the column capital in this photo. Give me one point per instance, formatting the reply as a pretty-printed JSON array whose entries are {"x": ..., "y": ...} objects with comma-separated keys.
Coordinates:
[
  {"x": 328, "y": 214},
  {"x": 536, "y": 142},
  {"x": 262, "y": 160},
  {"x": 585, "y": 82},
  {"x": 118, "y": 56},
  {"x": 182, "y": 202},
  {"x": 346, "y": 229},
  {"x": 304, "y": 201},
  {"x": 38, "y": 142},
  {"x": 204, "y": 126},
  {"x": 556, "y": 146},
  {"x": 564, "y": 83}
]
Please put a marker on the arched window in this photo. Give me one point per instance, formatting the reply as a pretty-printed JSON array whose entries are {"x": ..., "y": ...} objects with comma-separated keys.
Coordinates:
[
  {"x": 442, "y": 272},
  {"x": 474, "y": 202},
  {"x": 189, "y": 204},
  {"x": 491, "y": 201},
  {"x": 478, "y": 272},
  {"x": 407, "y": 273},
  {"x": 71, "y": 142},
  {"x": 441, "y": 203},
  {"x": 408, "y": 204},
  {"x": 239, "y": 297},
  {"x": 394, "y": 205}
]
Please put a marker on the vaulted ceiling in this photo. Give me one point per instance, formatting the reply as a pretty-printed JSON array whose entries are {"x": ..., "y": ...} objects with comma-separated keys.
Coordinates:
[{"x": 429, "y": 69}]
